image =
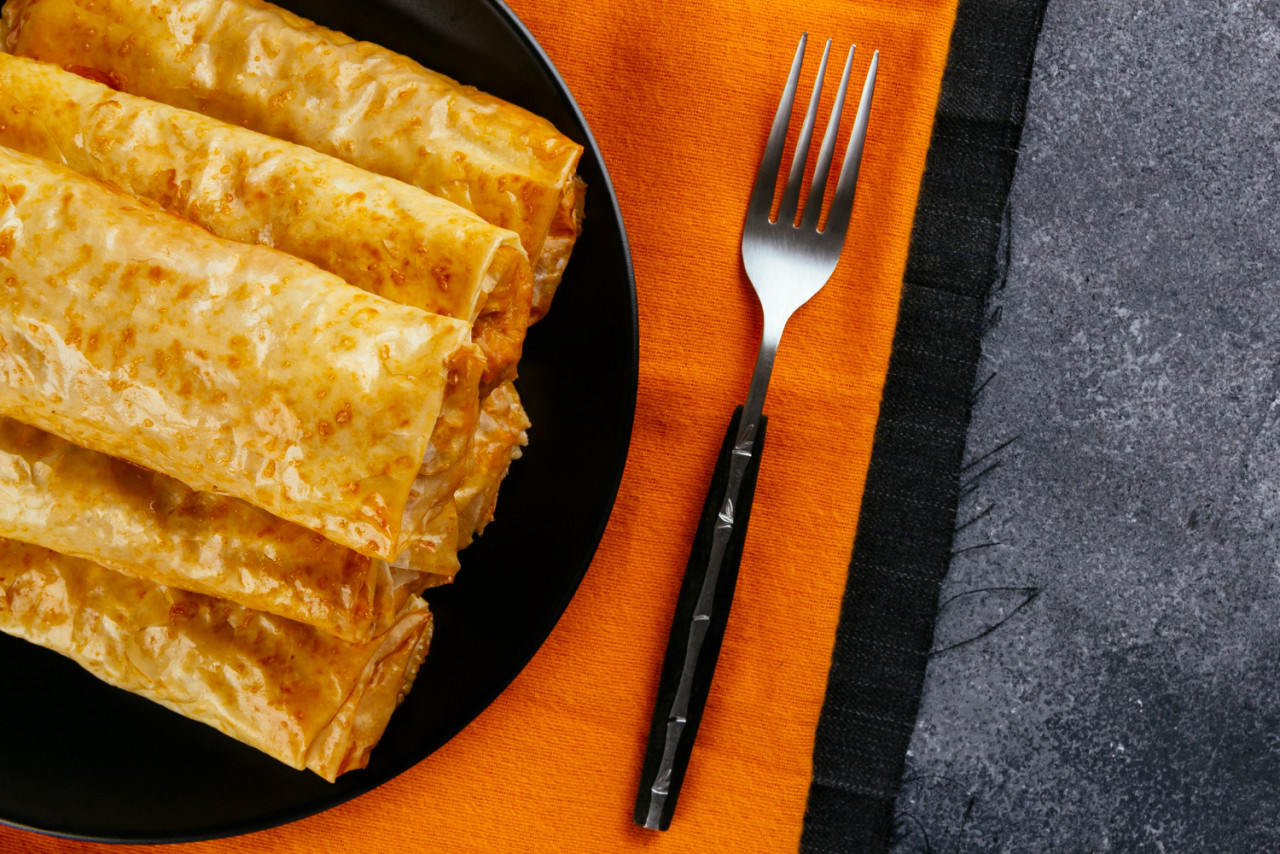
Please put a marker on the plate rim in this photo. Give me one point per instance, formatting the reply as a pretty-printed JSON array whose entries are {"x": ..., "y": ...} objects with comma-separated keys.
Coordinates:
[{"x": 623, "y": 437}]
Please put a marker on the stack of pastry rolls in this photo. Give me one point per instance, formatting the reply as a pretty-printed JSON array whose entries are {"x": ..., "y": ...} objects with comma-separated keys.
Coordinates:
[{"x": 263, "y": 293}]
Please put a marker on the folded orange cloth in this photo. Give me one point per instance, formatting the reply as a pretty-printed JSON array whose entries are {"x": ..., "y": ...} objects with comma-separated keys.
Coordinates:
[{"x": 680, "y": 95}]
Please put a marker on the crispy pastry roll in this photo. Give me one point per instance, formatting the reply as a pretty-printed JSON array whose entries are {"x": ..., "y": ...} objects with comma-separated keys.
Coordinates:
[
  {"x": 377, "y": 233},
  {"x": 233, "y": 368},
  {"x": 250, "y": 63},
  {"x": 300, "y": 695},
  {"x": 89, "y": 505},
  {"x": 499, "y": 437}
]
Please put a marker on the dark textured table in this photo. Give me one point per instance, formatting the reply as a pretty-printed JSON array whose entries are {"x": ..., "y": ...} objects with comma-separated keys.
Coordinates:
[{"x": 1120, "y": 534}]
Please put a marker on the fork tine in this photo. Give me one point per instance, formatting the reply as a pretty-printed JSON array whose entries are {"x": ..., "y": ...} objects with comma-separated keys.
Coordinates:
[
  {"x": 767, "y": 177},
  {"x": 842, "y": 204},
  {"x": 791, "y": 194},
  {"x": 813, "y": 206}
]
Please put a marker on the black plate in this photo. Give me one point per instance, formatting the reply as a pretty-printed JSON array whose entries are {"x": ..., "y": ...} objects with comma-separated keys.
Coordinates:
[{"x": 79, "y": 758}]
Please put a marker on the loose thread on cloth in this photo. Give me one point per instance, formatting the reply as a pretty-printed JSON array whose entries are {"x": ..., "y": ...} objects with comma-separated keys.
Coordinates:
[
  {"x": 986, "y": 455},
  {"x": 1024, "y": 595},
  {"x": 977, "y": 517}
]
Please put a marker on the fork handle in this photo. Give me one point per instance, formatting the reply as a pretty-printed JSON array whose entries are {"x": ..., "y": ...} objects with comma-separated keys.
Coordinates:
[{"x": 702, "y": 612}]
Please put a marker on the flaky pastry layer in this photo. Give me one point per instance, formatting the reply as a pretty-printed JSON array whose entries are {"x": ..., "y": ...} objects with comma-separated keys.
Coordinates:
[{"x": 304, "y": 697}]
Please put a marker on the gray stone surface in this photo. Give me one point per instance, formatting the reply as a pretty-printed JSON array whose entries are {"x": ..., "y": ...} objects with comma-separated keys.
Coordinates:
[{"x": 1134, "y": 703}]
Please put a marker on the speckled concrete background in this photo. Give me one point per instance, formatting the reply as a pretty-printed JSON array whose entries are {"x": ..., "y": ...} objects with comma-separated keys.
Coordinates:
[{"x": 1133, "y": 702}]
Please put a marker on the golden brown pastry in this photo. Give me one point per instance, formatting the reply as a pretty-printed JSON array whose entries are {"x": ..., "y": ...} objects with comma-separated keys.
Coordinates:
[
  {"x": 252, "y": 64},
  {"x": 88, "y": 505},
  {"x": 499, "y": 437},
  {"x": 435, "y": 556},
  {"x": 296, "y": 693},
  {"x": 232, "y": 368},
  {"x": 376, "y": 233}
]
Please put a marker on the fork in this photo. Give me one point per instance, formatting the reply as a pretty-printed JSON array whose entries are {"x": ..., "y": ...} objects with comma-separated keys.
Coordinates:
[{"x": 787, "y": 262}]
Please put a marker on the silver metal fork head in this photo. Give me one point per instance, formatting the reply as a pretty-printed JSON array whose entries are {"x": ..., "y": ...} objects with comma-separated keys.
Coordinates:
[{"x": 789, "y": 261}]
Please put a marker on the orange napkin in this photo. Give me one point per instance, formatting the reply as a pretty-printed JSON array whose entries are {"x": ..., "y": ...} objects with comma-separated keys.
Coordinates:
[{"x": 680, "y": 96}]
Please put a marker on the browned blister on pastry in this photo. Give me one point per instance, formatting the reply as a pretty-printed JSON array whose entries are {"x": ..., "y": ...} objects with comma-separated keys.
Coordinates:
[
  {"x": 233, "y": 368},
  {"x": 376, "y": 233},
  {"x": 250, "y": 63},
  {"x": 302, "y": 696}
]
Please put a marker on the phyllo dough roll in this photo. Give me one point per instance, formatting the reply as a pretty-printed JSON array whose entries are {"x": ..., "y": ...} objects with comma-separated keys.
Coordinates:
[
  {"x": 376, "y": 233},
  {"x": 300, "y": 695},
  {"x": 233, "y": 368},
  {"x": 253, "y": 64},
  {"x": 89, "y": 505}
]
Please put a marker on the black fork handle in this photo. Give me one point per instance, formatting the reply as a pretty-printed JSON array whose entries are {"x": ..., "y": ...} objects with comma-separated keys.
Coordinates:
[{"x": 697, "y": 630}]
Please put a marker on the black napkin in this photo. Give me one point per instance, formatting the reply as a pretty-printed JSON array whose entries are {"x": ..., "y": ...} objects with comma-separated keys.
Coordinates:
[{"x": 908, "y": 514}]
